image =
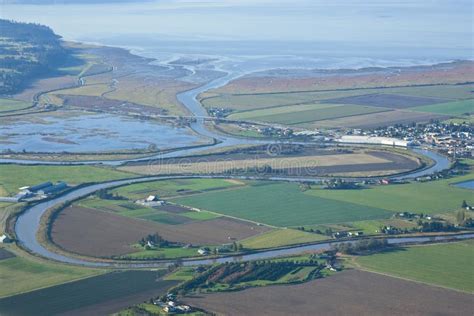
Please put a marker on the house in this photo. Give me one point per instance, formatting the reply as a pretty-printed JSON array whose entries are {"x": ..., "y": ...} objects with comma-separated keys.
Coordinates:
[
  {"x": 23, "y": 195},
  {"x": 169, "y": 309},
  {"x": 203, "y": 251},
  {"x": 340, "y": 234},
  {"x": 152, "y": 198},
  {"x": 4, "y": 239}
]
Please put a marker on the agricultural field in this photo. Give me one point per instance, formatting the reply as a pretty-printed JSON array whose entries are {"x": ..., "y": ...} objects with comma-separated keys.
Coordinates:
[
  {"x": 446, "y": 265},
  {"x": 280, "y": 237},
  {"x": 457, "y": 108},
  {"x": 102, "y": 294},
  {"x": 308, "y": 162},
  {"x": 348, "y": 292},
  {"x": 375, "y": 120},
  {"x": 13, "y": 177},
  {"x": 25, "y": 273},
  {"x": 274, "y": 204},
  {"x": 295, "y": 116},
  {"x": 109, "y": 233},
  {"x": 345, "y": 106},
  {"x": 174, "y": 187},
  {"x": 234, "y": 276},
  {"x": 428, "y": 197},
  {"x": 10, "y": 105},
  {"x": 391, "y": 101},
  {"x": 99, "y": 234}
]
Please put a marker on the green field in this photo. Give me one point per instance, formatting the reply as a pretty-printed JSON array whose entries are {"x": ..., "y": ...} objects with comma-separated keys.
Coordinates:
[
  {"x": 171, "y": 187},
  {"x": 287, "y": 109},
  {"x": 13, "y": 177},
  {"x": 200, "y": 216},
  {"x": 448, "y": 265},
  {"x": 450, "y": 108},
  {"x": 321, "y": 112},
  {"x": 280, "y": 237},
  {"x": 281, "y": 204},
  {"x": 246, "y": 102},
  {"x": 7, "y": 105},
  {"x": 23, "y": 275},
  {"x": 436, "y": 196},
  {"x": 130, "y": 209},
  {"x": 83, "y": 293}
]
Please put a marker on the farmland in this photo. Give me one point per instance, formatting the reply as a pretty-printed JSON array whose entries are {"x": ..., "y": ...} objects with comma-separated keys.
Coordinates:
[
  {"x": 447, "y": 265},
  {"x": 100, "y": 234},
  {"x": 102, "y": 294},
  {"x": 13, "y": 177},
  {"x": 24, "y": 274},
  {"x": 375, "y": 120},
  {"x": 347, "y": 292},
  {"x": 97, "y": 233},
  {"x": 270, "y": 204},
  {"x": 304, "y": 161},
  {"x": 173, "y": 187},
  {"x": 437, "y": 196},
  {"x": 305, "y": 116},
  {"x": 280, "y": 237},
  {"x": 345, "y": 103},
  {"x": 9, "y": 105},
  {"x": 450, "y": 108}
]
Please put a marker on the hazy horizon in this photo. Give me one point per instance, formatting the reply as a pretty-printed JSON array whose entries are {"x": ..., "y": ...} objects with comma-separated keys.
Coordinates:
[{"x": 395, "y": 30}]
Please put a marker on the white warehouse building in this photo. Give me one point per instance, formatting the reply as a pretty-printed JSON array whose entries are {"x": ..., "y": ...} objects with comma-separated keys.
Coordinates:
[{"x": 374, "y": 140}]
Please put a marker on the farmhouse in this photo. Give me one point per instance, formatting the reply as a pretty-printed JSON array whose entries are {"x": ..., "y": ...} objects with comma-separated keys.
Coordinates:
[
  {"x": 4, "y": 239},
  {"x": 151, "y": 201},
  {"x": 203, "y": 251}
]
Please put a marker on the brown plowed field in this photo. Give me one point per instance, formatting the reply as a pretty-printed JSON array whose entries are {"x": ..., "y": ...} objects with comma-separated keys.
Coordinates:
[
  {"x": 346, "y": 293},
  {"x": 102, "y": 234}
]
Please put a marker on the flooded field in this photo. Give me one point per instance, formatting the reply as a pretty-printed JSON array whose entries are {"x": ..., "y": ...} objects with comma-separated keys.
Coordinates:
[
  {"x": 466, "y": 184},
  {"x": 82, "y": 132}
]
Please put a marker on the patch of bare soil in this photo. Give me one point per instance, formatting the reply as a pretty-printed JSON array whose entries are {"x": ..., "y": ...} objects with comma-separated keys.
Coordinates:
[{"x": 346, "y": 293}]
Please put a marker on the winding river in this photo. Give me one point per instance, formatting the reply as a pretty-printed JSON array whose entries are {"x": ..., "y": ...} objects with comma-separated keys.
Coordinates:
[{"x": 28, "y": 223}]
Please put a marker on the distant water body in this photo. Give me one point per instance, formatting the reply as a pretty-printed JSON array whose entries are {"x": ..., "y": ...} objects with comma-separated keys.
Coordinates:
[{"x": 261, "y": 34}]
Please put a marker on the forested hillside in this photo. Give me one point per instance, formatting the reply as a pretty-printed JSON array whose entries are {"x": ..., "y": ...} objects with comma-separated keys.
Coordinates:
[{"x": 27, "y": 51}]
